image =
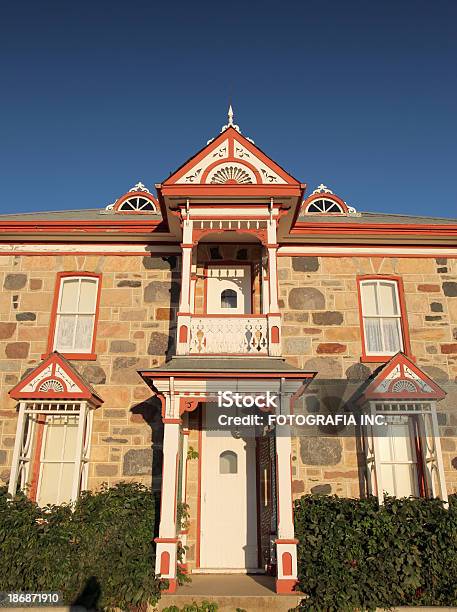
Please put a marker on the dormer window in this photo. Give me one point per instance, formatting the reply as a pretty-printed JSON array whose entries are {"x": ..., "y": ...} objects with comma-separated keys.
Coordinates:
[
  {"x": 138, "y": 200},
  {"x": 324, "y": 206},
  {"x": 137, "y": 204},
  {"x": 323, "y": 201}
]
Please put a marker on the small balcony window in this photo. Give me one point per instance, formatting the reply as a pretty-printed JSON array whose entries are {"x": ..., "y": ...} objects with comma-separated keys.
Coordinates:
[{"x": 229, "y": 299}]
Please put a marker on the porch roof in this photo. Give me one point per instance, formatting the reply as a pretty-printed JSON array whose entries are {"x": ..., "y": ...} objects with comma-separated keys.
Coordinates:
[{"x": 271, "y": 367}]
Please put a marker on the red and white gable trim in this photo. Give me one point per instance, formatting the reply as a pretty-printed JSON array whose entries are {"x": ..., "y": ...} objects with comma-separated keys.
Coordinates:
[
  {"x": 400, "y": 379},
  {"x": 231, "y": 159},
  {"x": 54, "y": 379}
]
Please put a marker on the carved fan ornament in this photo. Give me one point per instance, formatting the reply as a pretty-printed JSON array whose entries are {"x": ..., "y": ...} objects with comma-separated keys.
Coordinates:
[
  {"x": 403, "y": 385},
  {"x": 51, "y": 385},
  {"x": 231, "y": 175}
]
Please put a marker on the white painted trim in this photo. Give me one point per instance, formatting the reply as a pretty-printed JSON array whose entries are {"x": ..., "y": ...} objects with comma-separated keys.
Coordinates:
[
  {"x": 353, "y": 251},
  {"x": 89, "y": 248}
]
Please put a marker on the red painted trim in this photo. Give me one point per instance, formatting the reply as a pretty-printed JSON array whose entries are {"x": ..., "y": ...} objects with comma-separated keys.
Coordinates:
[
  {"x": 52, "y": 328},
  {"x": 286, "y": 541},
  {"x": 133, "y": 194},
  {"x": 230, "y": 160},
  {"x": 286, "y": 586},
  {"x": 166, "y": 540},
  {"x": 402, "y": 360},
  {"x": 228, "y": 316},
  {"x": 231, "y": 135},
  {"x": 262, "y": 190},
  {"x": 172, "y": 586},
  {"x": 204, "y": 375},
  {"x": 403, "y": 316},
  {"x": 55, "y": 358},
  {"x": 171, "y": 421},
  {"x": 37, "y": 458},
  {"x": 382, "y": 255},
  {"x": 404, "y": 229},
  {"x": 323, "y": 196},
  {"x": 286, "y": 562},
  {"x": 86, "y": 253}
]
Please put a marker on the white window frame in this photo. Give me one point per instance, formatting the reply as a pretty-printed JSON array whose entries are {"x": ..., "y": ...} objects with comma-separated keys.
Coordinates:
[
  {"x": 29, "y": 413},
  {"x": 398, "y": 317},
  {"x": 432, "y": 459},
  {"x": 75, "y": 313}
]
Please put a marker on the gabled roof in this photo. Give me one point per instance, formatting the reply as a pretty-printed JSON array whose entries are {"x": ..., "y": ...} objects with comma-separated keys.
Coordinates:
[
  {"x": 55, "y": 379},
  {"x": 400, "y": 379},
  {"x": 231, "y": 159}
]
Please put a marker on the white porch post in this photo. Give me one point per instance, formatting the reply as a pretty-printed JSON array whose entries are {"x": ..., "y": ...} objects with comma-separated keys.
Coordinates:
[
  {"x": 82, "y": 425},
  {"x": 18, "y": 447},
  {"x": 274, "y": 318},
  {"x": 286, "y": 544},
  {"x": 167, "y": 542},
  {"x": 184, "y": 300}
]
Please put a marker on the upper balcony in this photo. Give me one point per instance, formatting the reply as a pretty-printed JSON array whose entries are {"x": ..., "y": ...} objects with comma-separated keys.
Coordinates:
[{"x": 229, "y": 299}]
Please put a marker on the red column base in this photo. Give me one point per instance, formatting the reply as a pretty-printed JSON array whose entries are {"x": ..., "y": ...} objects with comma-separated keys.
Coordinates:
[
  {"x": 172, "y": 584},
  {"x": 285, "y": 586}
]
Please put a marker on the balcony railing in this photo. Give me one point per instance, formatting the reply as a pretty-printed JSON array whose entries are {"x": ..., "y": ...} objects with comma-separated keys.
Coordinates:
[{"x": 223, "y": 335}]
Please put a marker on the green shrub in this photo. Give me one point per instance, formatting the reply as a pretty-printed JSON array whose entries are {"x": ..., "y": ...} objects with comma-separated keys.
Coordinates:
[
  {"x": 204, "y": 606},
  {"x": 354, "y": 554},
  {"x": 99, "y": 555}
]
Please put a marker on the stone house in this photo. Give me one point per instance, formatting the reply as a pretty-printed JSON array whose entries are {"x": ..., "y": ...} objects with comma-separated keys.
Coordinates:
[{"x": 119, "y": 326}]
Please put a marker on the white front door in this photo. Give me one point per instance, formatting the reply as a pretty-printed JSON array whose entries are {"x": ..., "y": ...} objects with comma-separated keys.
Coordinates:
[
  {"x": 228, "y": 527},
  {"x": 228, "y": 290}
]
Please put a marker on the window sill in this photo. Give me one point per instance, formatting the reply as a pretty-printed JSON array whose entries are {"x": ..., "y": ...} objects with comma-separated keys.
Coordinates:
[{"x": 75, "y": 356}]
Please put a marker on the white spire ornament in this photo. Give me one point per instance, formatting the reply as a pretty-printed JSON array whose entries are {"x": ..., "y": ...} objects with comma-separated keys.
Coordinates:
[{"x": 230, "y": 123}]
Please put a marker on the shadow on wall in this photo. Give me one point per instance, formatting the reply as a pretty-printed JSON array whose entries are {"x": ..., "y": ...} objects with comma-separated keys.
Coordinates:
[{"x": 150, "y": 462}]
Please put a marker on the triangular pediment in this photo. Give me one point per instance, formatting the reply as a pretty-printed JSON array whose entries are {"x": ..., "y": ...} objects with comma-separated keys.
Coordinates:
[
  {"x": 400, "y": 379},
  {"x": 54, "y": 378},
  {"x": 231, "y": 159}
]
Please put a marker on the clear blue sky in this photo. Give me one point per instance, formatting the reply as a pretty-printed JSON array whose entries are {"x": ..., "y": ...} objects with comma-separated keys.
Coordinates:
[{"x": 361, "y": 96}]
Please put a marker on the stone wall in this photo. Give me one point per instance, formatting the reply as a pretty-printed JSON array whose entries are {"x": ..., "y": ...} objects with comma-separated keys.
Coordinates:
[
  {"x": 136, "y": 329},
  {"x": 321, "y": 332}
]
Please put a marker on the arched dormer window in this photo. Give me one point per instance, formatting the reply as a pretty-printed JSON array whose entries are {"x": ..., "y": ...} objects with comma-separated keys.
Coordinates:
[
  {"x": 228, "y": 462},
  {"x": 324, "y": 202},
  {"x": 137, "y": 204},
  {"x": 324, "y": 206},
  {"x": 229, "y": 299},
  {"x": 138, "y": 200}
]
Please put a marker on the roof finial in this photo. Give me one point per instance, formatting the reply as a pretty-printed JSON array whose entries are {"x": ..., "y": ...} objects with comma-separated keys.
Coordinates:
[{"x": 230, "y": 123}]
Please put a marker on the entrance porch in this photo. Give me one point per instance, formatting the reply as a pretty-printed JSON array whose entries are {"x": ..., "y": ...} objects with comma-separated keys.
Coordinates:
[{"x": 226, "y": 503}]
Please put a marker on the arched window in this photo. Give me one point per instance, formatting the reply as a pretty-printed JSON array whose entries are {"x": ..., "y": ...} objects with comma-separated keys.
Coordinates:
[
  {"x": 324, "y": 205},
  {"x": 228, "y": 462},
  {"x": 137, "y": 204},
  {"x": 229, "y": 298}
]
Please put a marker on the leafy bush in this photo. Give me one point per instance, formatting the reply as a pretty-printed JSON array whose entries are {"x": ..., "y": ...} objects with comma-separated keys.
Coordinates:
[
  {"x": 99, "y": 555},
  {"x": 204, "y": 606},
  {"x": 354, "y": 554}
]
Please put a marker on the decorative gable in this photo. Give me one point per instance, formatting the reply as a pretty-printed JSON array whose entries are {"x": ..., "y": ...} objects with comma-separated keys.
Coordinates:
[
  {"x": 401, "y": 379},
  {"x": 54, "y": 378},
  {"x": 231, "y": 159}
]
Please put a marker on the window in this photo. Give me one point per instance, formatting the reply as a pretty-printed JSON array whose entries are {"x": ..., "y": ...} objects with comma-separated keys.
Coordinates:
[
  {"x": 51, "y": 452},
  {"x": 229, "y": 299},
  {"x": 398, "y": 459},
  {"x": 137, "y": 204},
  {"x": 404, "y": 452},
  {"x": 228, "y": 462},
  {"x": 381, "y": 317},
  {"x": 75, "y": 315},
  {"x": 324, "y": 206}
]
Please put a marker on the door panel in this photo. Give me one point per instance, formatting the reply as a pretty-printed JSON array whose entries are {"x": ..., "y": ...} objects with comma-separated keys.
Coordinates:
[{"x": 228, "y": 537}]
